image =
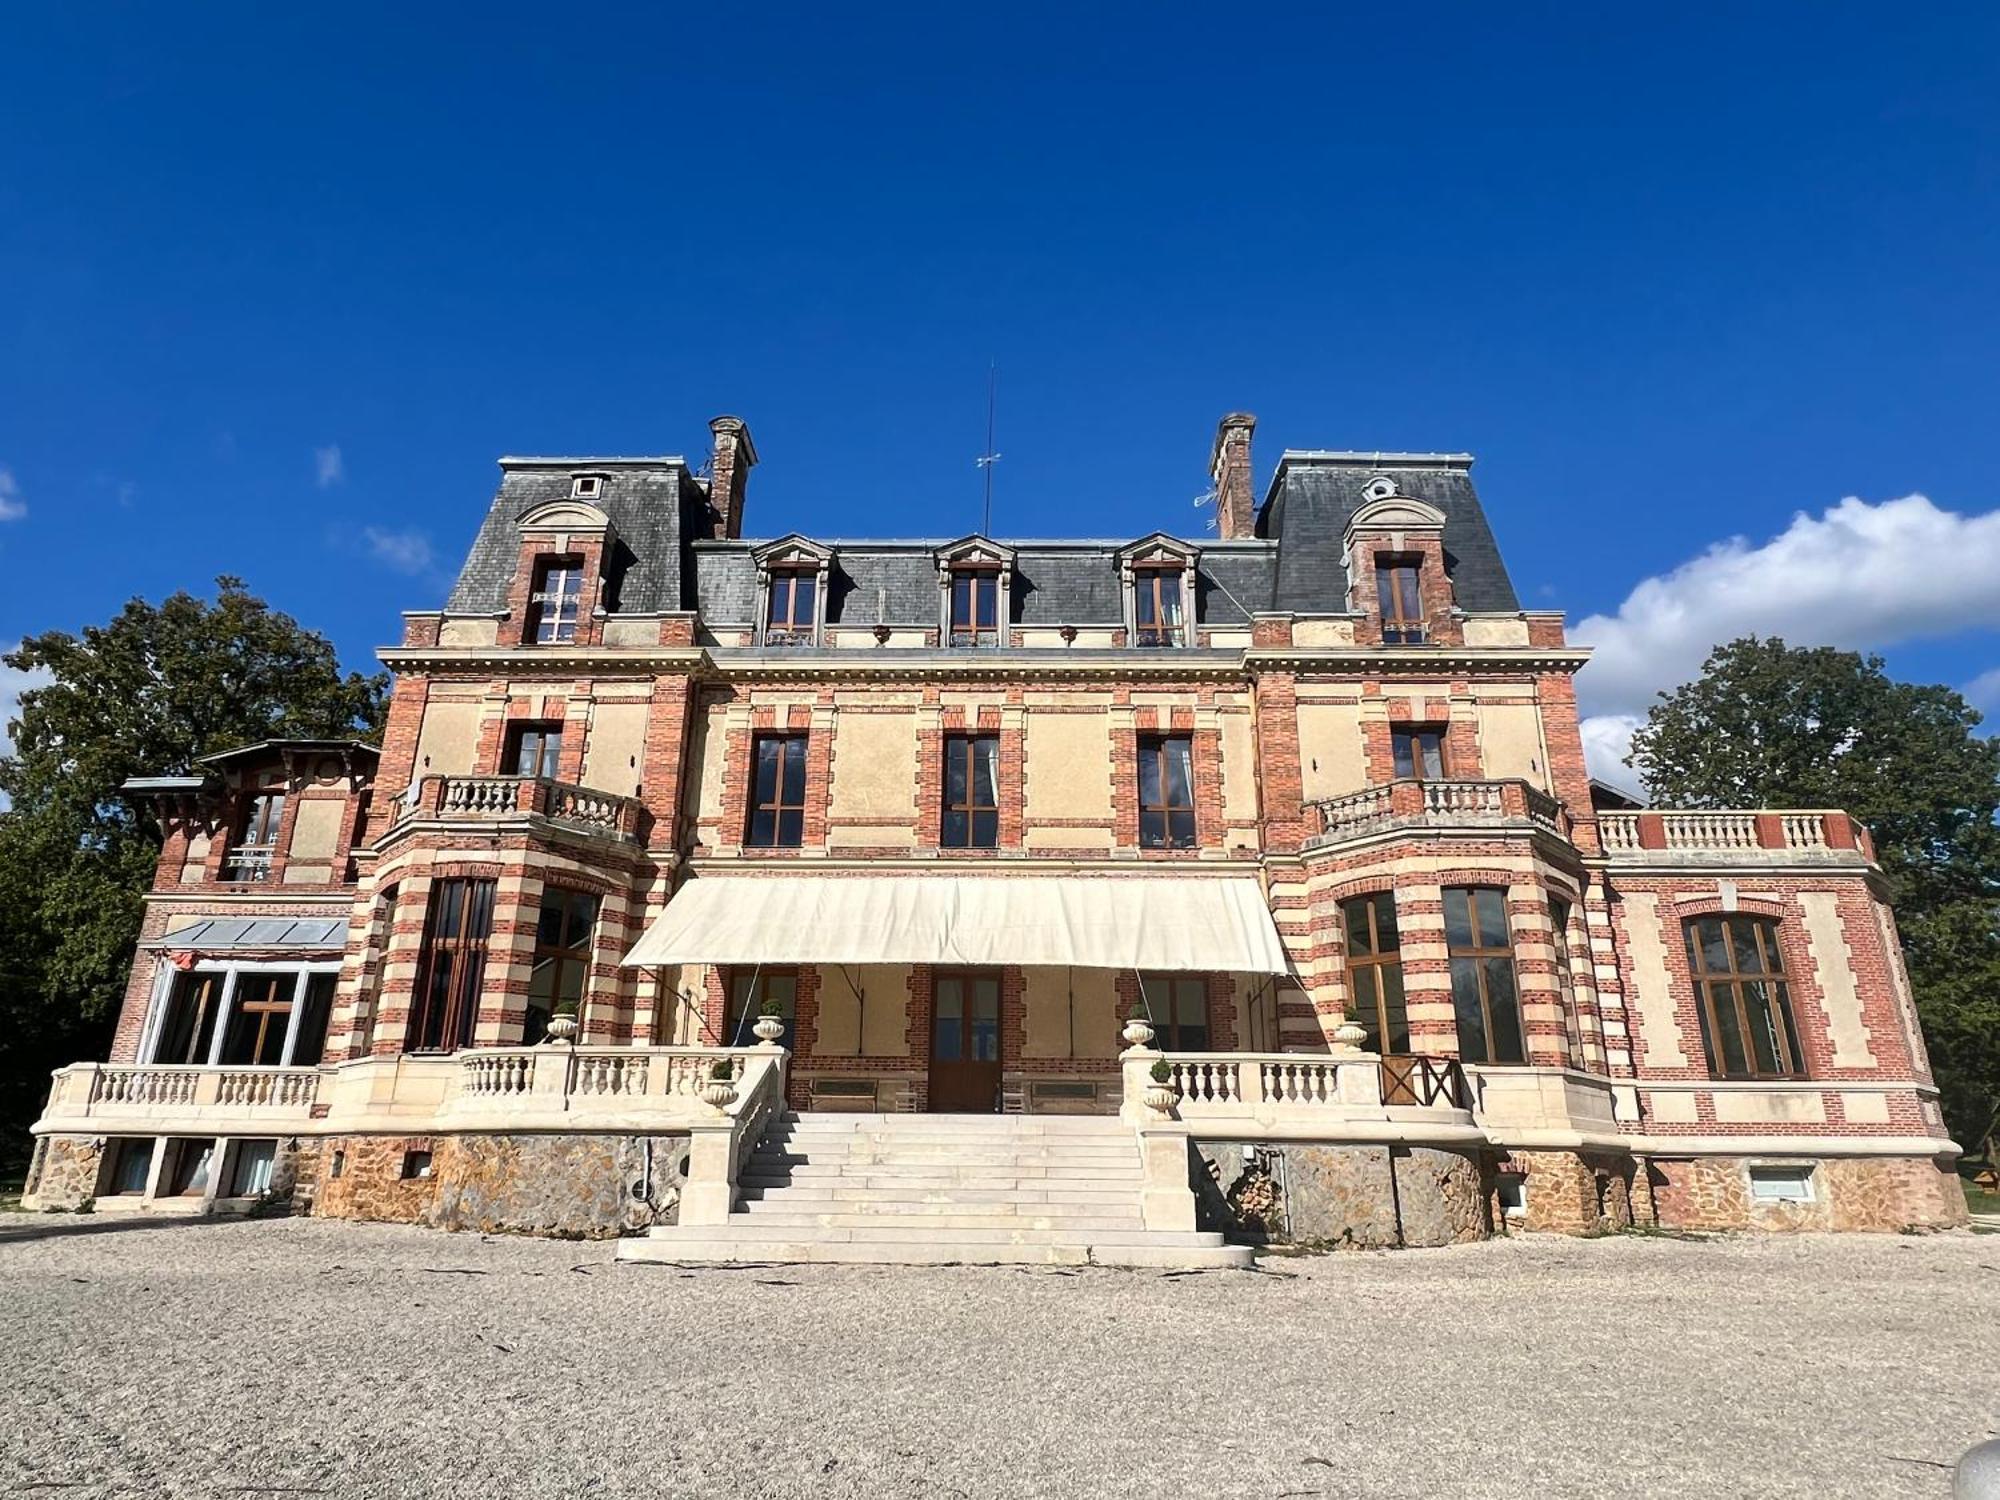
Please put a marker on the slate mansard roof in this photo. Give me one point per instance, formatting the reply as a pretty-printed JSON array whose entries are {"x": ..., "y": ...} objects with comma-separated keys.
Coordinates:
[{"x": 665, "y": 560}]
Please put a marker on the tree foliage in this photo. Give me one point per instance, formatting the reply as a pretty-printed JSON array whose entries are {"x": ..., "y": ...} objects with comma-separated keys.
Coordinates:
[
  {"x": 1771, "y": 725},
  {"x": 147, "y": 694}
]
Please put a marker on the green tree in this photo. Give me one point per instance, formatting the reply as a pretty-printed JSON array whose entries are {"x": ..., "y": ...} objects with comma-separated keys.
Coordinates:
[
  {"x": 1771, "y": 725},
  {"x": 146, "y": 694}
]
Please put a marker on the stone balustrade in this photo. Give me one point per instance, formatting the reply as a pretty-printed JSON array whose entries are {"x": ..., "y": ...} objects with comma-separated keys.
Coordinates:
[
  {"x": 112, "y": 1096},
  {"x": 1725, "y": 836},
  {"x": 493, "y": 798},
  {"x": 1438, "y": 805},
  {"x": 1246, "y": 1095}
]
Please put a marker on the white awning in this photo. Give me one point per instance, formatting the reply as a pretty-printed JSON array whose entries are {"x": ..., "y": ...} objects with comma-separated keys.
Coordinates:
[{"x": 1177, "y": 922}]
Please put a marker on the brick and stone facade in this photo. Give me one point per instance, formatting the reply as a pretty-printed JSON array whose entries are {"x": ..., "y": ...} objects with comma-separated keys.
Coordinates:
[{"x": 1295, "y": 718}]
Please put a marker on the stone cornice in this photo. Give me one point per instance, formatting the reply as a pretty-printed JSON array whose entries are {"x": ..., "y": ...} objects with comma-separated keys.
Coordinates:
[{"x": 1419, "y": 661}]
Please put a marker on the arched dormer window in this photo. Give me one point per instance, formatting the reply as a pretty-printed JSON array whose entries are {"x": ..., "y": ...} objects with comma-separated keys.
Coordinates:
[
  {"x": 1157, "y": 577},
  {"x": 1395, "y": 565},
  {"x": 561, "y": 572},
  {"x": 975, "y": 585},
  {"x": 792, "y": 576}
]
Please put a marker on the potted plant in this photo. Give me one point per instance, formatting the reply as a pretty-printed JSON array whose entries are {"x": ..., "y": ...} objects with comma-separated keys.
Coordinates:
[
  {"x": 1159, "y": 1095},
  {"x": 770, "y": 1024},
  {"x": 562, "y": 1025},
  {"x": 720, "y": 1090}
]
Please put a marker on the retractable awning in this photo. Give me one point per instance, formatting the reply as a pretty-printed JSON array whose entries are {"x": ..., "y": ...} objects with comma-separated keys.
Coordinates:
[{"x": 1178, "y": 922}]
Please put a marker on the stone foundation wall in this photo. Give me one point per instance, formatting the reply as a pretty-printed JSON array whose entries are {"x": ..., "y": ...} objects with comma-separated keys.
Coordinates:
[
  {"x": 1349, "y": 1197},
  {"x": 1882, "y": 1194},
  {"x": 63, "y": 1177},
  {"x": 1570, "y": 1193},
  {"x": 566, "y": 1186}
]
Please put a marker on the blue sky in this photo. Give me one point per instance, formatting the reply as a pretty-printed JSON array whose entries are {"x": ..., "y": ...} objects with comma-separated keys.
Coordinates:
[{"x": 278, "y": 283}]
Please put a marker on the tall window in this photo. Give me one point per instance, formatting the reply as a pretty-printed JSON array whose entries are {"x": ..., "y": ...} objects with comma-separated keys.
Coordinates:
[
  {"x": 1375, "y": 972},
  {"x": 450, "y": 966},
  {"x": 778, "y": 792},
  {"x": 748, "y": 994},
  {"x": 1399, "y": 590},
  {"x": 556, "y": 601},
  {"x": 562, "y": 958},
  {"x": 258, "y": 1020},
  {"x": 1742, "y": 999},
  {"x": 1566, "y": 978},
  {"x": 971, "y": 792},
  {"x": 533, "y": 749},
  {"x": 1482, "y": 975},
  {"x": 1419, "y": 752},
  {"x": 794, "y": 609},
  {"x": 187, "y": 1030},
  {"x": 1166, "y": 791},
  {"x": 251, "y": 858},
  {"x": 975, "y": 607},
  {"x": 1156, "y": 606},
  {"x": 1179, "y": 1006}
]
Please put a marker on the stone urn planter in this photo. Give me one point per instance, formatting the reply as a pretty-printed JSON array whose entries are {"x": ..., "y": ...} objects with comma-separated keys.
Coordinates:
[
  {"x": 720, "y": 1090},
  {"x": 1348, "y": 1034},
  {"x": 1159, "y": 1095},
  {"x": 1138, "y": 1033},
  {"x": 562, "y": 1026},
  {"x": 769, "y": 1029}
]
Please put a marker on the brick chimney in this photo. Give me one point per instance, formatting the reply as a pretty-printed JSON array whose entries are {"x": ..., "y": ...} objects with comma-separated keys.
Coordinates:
[
  {"x": 1229, "y": 467},
  {"x": 729, "y": 472}
]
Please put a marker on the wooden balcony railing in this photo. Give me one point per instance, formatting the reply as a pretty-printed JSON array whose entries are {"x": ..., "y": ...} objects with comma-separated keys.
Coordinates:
[
  {"x": 1426, "y": 1082},
  {"x": 490, "y": 798},
  {"x": 1439, "y": 804}
]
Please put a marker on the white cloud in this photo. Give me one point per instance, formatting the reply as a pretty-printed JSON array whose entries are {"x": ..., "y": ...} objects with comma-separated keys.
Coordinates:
[
  {"x": 1856, "y": 576},
  {"x": 1983, "y": 693},
  {"x": 405, "y": 551},
  {"x": 12, "y": 506},
  {"x": 13, "y": 683},
  {"x": 328, "y": 470}
]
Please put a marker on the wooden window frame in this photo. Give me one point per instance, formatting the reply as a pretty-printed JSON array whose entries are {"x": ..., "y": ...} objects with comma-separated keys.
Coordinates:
[
  {"x": 790, "y": 630},
  {"x": 1559, "y": 915},
  {"x": 1787, "y": 1053},
  {"x": 1377, "y": 962},
  {"x": 970, "y": 808},
  {"x": 1411, "y": 737},
  {"x": 1164, "y": 1000},
  {"x": 1157, "y": 747},
  {"x": 969, "y": 633},
  {"x": 251, "y": 858},
  {"x": 1479, "y": 954},
  {"x": 1399, "y": 628},
  {"x": 465, "y": 944},
  {"x": 1155, "y": 583},
  {"x": 560, "y": 628},
  {"x": 548, "y": 761},
  {"x": 561, "y": 955},
  {"x": 791, "y": 743}
]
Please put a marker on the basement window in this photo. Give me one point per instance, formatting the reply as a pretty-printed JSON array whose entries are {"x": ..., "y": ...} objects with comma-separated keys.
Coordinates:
[
  {"x": 1513, "y": 1195},
  {"x": 1781, "y": 1184},
  {"x": 416, "y": 1165},
  {"x": 250, "y": 1169}
]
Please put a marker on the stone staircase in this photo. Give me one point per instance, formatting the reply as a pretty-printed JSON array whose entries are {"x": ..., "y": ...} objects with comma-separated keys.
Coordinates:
[{"x": 941, "y": 1189}]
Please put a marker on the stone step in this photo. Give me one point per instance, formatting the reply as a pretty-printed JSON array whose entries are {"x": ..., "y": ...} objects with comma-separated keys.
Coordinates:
[
  {"x": 918, "y": 1208},
  {"x": 947, "y": 1156},
  {"x": 962, "y": 1180},
  {"x": 836, "y": 1191},
  {"x": 715, "y": 1247},
  {"x": 948, "y": 1224},
  {"x": 740, "y": 1228}
]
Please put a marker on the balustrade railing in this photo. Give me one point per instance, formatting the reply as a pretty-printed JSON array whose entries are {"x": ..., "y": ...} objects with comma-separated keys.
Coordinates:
[
  {"x": 553, "y": 1076},
  {"x": 1439, "y": 803},
  {"x": 490, "y": 797},
  {"x": 129, "y": 1087},
  {"x": 164, "y": 1086},
  {"x": 1703, "y": 832}
]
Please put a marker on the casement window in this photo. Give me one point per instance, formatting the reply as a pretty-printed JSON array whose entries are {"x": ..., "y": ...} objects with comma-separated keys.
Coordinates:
[
  {"x": 250, "y": 858},
  {"x": 1375, "y": 972},
  {"x": 975, "y": 607},
  {"x": 793, "y": 616},
  {"x": 1741, "y": 998},
  {"x": 1482, "y": 975},
  {"x": 267, "y": 1017},
  {"x": 1419, "y": 752},
  {"x": 1166, "y": 791},
  {"x": 259, "y": 1018},
  {"x": 1399, "y": 591},
  {"x": 131, "y": 1165},
  {"x": 533, "y": 749},
  {"x": 1158, "y": 607},
  {"x": 777, "y": 792},
  {"x": 187, "y": 1029},
  {"x": 1559, "y": 911},
  {"x": 555, "y": 602},
  {"x": 562, "y": 958},
  {"x": 1178, "y": 1004},
  {"x": 451, "y": 966},
  {"x": 971, "y": 792},
  {"x": 748, "y": 994},
  {"x": 250, "y": 1167},
  {"x": 184, "y": 1173}
]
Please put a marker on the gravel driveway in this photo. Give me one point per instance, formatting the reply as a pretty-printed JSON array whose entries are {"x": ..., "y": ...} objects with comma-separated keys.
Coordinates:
[{"x": 308, "y": 1357}]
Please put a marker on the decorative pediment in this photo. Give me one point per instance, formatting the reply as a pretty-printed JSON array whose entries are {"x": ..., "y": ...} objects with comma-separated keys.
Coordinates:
[
  {"x": 974, "y": 551},
  {"x": 1157, "y": 551},
  {"x": 792, "y": 551},
  {"x": 566, "y": 516},
  {"x": 1397, "y": 513}
]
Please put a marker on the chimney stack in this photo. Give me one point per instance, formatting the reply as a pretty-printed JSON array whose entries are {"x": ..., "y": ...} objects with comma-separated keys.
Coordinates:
[
  {"x": 1229, "y": 467},
  {"x": 728, "y": 473}
]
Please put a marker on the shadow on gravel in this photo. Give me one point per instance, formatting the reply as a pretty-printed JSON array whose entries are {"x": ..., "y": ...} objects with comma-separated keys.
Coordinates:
[{"x": 71, "y": 1226}]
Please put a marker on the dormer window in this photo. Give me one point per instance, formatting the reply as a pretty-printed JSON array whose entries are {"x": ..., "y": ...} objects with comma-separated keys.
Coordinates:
[
  {"x": 793, "y": 617},
  {"x": 975, "y": 606},
  {"x": 1399, "y": 591},
  {"x": 250, "y": 858},
  {"x": 586, "y": 486},
  {"x": 1158, "y": 611},
  {"x": 557, "y": 599}
]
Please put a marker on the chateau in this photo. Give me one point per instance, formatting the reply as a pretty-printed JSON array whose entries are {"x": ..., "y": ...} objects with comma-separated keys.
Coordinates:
[{"x": 1126, "y": 900}]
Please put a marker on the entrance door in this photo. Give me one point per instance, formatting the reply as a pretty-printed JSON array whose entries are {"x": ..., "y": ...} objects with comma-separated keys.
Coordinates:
[{"x": 965, "y": 1043}]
